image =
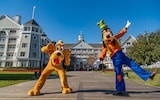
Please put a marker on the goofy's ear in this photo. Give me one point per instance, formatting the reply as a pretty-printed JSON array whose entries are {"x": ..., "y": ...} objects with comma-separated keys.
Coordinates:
[
  {"x": 104, "y": 44},
  {"x": 103, "y": 41},
  {"x": 49, "y": 48}
]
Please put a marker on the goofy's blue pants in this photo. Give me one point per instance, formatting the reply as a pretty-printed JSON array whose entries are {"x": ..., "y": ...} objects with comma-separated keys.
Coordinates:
[{"x": 118, "y": 60}]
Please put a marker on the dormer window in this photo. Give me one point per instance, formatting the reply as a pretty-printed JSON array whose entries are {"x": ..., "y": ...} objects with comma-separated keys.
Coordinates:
[
  {"x": 128, "y": 43},
  {"x": 27, "y": 29},
  {"x": 34, "y": 29}
]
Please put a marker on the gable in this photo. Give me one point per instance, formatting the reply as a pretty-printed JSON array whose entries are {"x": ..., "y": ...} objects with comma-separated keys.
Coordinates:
[
  {"x": 32, "y": 22},
  {"x": 6, "y": 22},
  {"x": 128, "y": 39},
  {"x": 82, "y": 45}
]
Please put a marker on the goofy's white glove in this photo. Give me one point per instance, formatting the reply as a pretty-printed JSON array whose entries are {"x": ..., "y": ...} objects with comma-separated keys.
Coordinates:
[{"x": 128, "y": 24}]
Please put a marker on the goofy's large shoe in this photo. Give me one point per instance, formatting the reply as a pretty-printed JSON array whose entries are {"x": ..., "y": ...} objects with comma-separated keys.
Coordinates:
[
  {"x": 57, "y": 56},
  {"x": 153, "y": 73}
]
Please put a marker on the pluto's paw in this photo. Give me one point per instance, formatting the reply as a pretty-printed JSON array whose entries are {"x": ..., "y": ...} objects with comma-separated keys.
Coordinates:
[
  {"x": 33, "y": 92},
  {"x": 66, "y": 90}
]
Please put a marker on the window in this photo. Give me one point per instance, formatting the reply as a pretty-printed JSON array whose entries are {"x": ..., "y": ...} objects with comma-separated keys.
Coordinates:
[
  {"x": 22, "y": 54},
  {"x": 34, "y": 54},
  {"x": 11, "y": 47},
  {"x": 34, "y": 37},
  {"x": 23, "y": 63},
  {"x": 25, "y": 36},
  {"x": 9, "y": 64},
  {"x": 1, "y": 55},
  {"x": 34, "y": 29},
  {"x": 12, "y": 40},
  {"x": 2, "y": 40},
  {"x": 24, "y": 45},
  {"x": 27, "y": 29},
  {"x": 12, "y": 32},
  {"x": 1, "y": 47},
  {"x": 34, "y": 45},
  {"x": 2, "y": 34},
  {"x": 83, "y": 50},
  {"x": 128, "y": 43},
  {"x": 78, "y": 50},
  {"x": 90, "y": 50},
  {"x": 9, "y": 55},
  {"x": 95, "y": 50},
  {"x": 40, "y": 31},
  {"x": 32, "y": 63}
]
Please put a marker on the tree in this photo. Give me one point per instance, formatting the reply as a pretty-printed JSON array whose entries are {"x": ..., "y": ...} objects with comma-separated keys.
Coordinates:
[
  {"x": 91, "y": 59},
  {"x": 146, "y": 49}
]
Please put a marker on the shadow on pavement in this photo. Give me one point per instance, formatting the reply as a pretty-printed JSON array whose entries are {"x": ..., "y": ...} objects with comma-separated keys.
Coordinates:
[{"x": 126, "y": 94}]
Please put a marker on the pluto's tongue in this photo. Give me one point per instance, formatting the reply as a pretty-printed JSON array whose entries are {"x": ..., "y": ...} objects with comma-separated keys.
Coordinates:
[{"x": 56, "y": 61}]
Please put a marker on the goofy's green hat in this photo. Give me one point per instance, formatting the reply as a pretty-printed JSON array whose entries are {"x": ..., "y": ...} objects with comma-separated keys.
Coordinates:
[{"x": 102, "y": 25}]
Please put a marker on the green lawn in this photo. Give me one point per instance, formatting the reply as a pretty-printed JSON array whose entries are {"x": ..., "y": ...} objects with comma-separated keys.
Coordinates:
[
  {"x": 156, "y": 82},
  {"x": 133, "y": 77},
  {"x": 10, "y": 78}
]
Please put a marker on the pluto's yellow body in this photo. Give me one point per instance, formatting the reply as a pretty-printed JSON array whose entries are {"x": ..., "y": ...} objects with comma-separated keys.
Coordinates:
[{"x": 57, "y": 55}]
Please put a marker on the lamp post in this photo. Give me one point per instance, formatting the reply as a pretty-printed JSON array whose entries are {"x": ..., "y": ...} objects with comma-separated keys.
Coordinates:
[{"x": 40, "y": 68}]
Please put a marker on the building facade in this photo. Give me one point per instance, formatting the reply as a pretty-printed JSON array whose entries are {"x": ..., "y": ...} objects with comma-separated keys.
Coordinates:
[
  {"x": 20, "y": 44},
  {"x": 126, "y": 43},
  {"x": 84, "y": 55}
]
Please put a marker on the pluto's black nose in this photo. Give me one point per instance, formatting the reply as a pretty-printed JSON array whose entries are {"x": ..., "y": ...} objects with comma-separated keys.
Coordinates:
[{"x": 58, "y": 54}]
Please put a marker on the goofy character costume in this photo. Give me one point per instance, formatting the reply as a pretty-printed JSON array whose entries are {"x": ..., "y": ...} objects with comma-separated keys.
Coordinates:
[{"x": 113, "y": 48}]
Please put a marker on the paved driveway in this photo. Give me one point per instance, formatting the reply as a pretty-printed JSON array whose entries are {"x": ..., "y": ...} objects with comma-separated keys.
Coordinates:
[{"x": 86, "y": 85}]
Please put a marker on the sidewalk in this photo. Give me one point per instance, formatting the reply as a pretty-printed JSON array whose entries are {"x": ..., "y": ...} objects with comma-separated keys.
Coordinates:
[{"x": 86, "y": 85}]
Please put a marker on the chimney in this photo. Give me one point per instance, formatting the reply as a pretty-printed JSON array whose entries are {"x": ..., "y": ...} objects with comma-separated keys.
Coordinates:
[{"x": 17, "y": 18}]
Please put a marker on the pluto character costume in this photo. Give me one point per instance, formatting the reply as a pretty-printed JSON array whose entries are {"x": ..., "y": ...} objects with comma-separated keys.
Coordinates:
[
  {"x": 113, "y": 48},
  {"x": 57, "y": 56}
]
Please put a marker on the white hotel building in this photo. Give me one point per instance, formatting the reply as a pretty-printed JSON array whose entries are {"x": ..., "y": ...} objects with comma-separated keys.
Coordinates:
[{"x": 20, "y": 43}]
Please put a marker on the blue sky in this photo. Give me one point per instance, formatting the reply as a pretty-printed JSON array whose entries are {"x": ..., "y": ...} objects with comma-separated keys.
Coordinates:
[{"x": 65, "y": 19}]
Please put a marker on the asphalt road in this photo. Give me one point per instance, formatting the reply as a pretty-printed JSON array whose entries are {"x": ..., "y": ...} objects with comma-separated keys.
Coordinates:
[{"x": 86, "y": 85}]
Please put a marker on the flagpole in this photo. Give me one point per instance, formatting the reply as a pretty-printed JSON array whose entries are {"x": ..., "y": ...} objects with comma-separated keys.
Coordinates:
[{"x": 34, "y": 7}]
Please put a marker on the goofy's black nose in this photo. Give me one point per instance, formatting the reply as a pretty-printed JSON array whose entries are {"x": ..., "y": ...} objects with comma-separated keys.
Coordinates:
[
  {"x": 58, "y": 54},
  {"x": 108, "y": 36}
]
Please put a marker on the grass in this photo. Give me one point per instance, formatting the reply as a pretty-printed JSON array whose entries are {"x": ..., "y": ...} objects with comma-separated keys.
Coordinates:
[
  {"x": 4, "y": 83},
  {"x": 133, "y": 77},
  {"x": 10, "y": 78},
  {"x": 156, "y": 82}
]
